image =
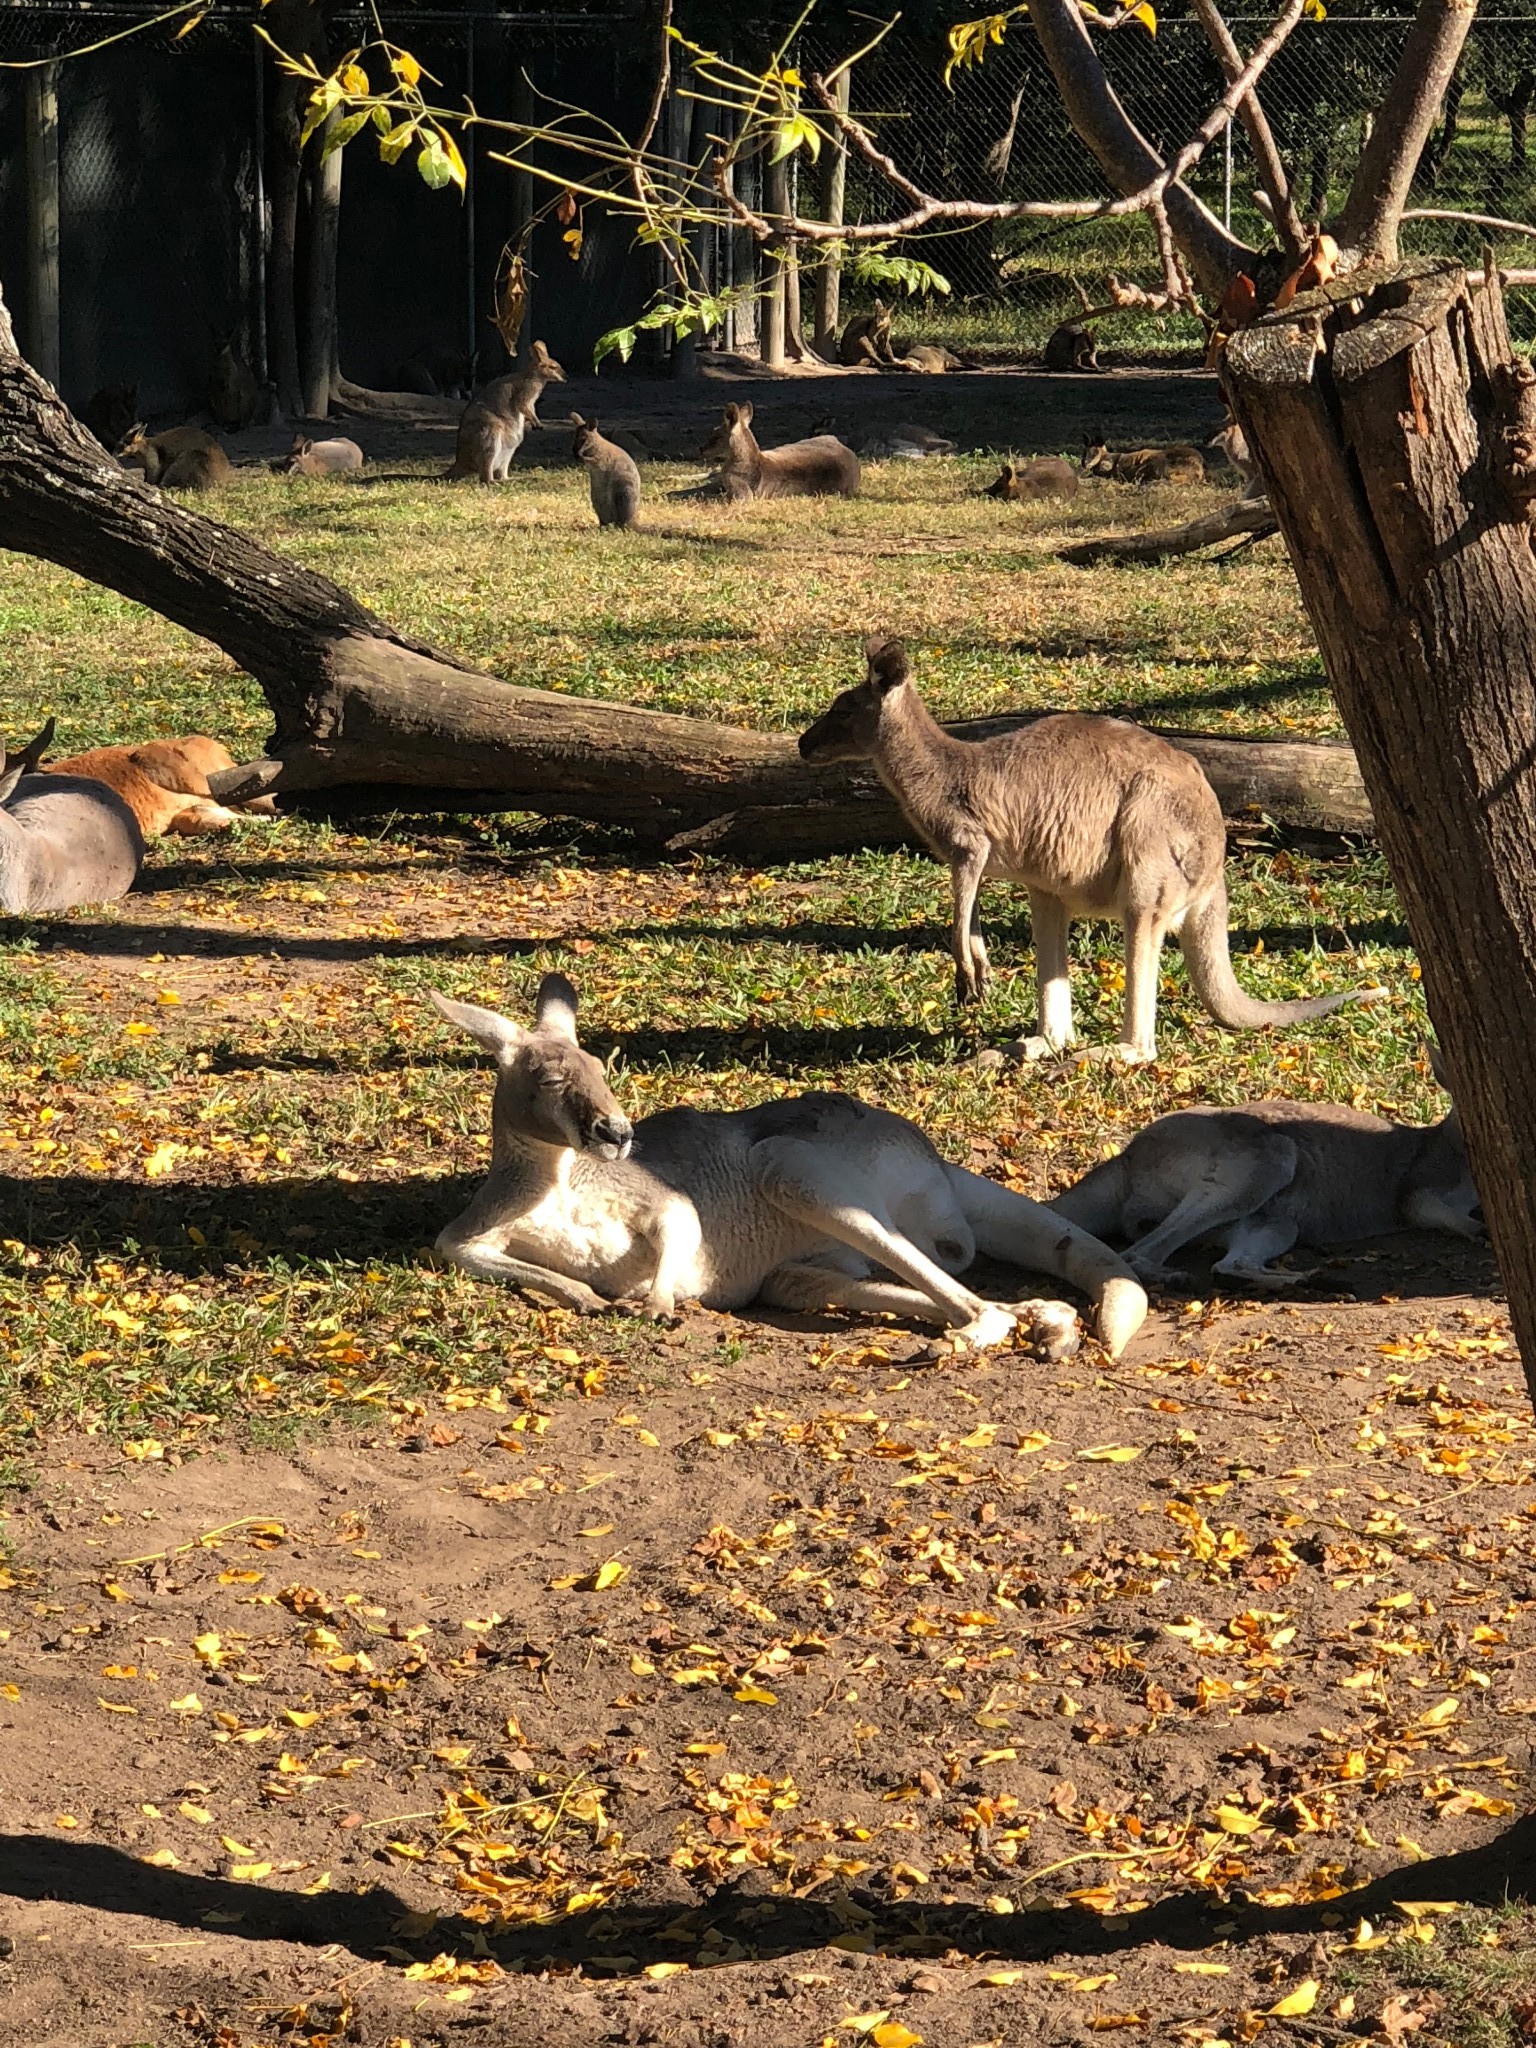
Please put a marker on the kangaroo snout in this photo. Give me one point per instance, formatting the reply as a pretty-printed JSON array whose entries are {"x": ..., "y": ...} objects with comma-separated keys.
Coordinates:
[{"x": 610, "y": 1137}]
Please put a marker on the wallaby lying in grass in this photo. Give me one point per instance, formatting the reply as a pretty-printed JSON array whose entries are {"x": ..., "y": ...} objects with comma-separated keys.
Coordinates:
[
  {"x": 1072, "y": 346},
  {"x": 929, "y": 359},
  {"x": 823, "y": 467},
  {"x": 165, "y": 783},
  {"x": 612, "y": 476},
  {"x": 180, "y": 459},
  {"x": 321, "y": 458},
  {"x": 1046, "y": 476},
  {"x": 816, "y": 1202},
  {"x": 492, "y": 428},
  {"x": 1269, "y": 1175},
  {"x": 1095, "y": 816},
  {"x": 1176, "y": 465},
  {"x": 64, "y": 840}
]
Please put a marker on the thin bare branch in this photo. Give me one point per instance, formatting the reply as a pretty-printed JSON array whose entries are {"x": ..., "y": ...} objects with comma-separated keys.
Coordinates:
[
  {"x": 1383, "y": 177},
  {"x": 1266, "y": 153},
  {"x": 1476, "y": 220}
]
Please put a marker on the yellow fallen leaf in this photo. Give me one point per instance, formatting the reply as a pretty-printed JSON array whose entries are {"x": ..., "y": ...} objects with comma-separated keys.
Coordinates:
[
  {"x": 162, "y": 1160},
  {"x": 703, "y": 1749},
  {"x": 1035, "y": 1441},
  {"x": 1094, "y": 1983},
  {"x": 1204, "y": 1969},
  {"x": 1003, "y": 1978},
  {"x": 866, "y": 2022},
  {"x": 454, "y": 1752},
  {"x": 144, "y": 1447},
  {"x": 756, "y": 1695},
  {"x": 1296, "y": 2003},
  {"x": 114, "y": 1591},
  {"x": 163, "y": 1859},
  {"x": 1237, "y": 1820},
  {"x": 65, "y": 1820},
  {"x": 1414, "y": 1908},
  {"x": 249, "y": 1873},
  {"x": 189, "y": 1703},
  {"x": 1411, "y": 1849},
  {"x": 998, "y": 1904},
  {"x": 240, "y": 1578},
  {"x": 664, "y": 1969},
  {"x": 1438, "y": 1716},
  {"x": 321, "y": 1884},
  {"x": 894, "y": 2035},
  {"x": 298, "y": 1718},
  {"x": 208, "y": 1649},
  {"x": 200, "y": 1814},
  {"x": 119, "y": 1670},
  {"x": 642, "y": 1667},
  {"x": 115, "y": 1706},
  {"x": 1112, "y": 1454},
  {"x": 235, "y": 1848},
  {"x": 140, "y": 1030},
  {"x": 608, "y": 1574}
]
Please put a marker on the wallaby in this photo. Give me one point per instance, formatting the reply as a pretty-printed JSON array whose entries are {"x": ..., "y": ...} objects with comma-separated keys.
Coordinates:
[
  {"x": 928, "y": 359},
  {"x": 1177, "y": 465},
  {"x": 321, "y": 458},
  {"x": 1095, "y": 816},
  {"x": 1046, "y": 476},
  {"x": 1233, "y": 443},
  {"x": 165, "y": 783},
  {"x": 820, "y": 1201},
  {"x": 111, "y": 412},
  {"x": 180, "y": 459},
  {"x": 611, "y": 474},
  {"x": 64, "y": 840},
  {"x": 492, "y": 428},
  {"x": 234, "y": 393},
  {"x": 823, "y": 467},
  {"x": 905, "y": 444},
  {"x": 866, "y": 338},
  {"x": 1263, "y": 1177},
  {"x": 1072, "y": 346}
]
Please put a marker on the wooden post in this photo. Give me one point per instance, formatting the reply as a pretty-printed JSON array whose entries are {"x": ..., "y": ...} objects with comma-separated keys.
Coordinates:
[
  {"x": 771, "y": 319},
  {"x": 320, "y": 337},
  {"x": 43, "y": 221},
  {"x": 834, "y": 185},
  {"x": 1392, "y": 426}
]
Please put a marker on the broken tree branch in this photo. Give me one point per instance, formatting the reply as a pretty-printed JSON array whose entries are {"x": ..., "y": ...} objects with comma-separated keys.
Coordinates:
[{"x": 1378, "y": 192}]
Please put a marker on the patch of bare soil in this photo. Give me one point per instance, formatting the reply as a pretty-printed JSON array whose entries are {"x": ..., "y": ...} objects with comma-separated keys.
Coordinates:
[{"x": 761, "y": 1687}]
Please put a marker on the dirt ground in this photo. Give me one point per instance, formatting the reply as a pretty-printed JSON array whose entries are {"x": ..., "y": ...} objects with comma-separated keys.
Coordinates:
[{"x": 1028, "y": 411}]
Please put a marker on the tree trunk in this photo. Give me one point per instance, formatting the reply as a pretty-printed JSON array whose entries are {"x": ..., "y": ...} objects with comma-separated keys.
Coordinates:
[
  {"x": 319, "y": 370},
  {"x": 1395, "y": 439},
  {"x": 295, "y": 26},
  {"x": 834, "y": 187}
]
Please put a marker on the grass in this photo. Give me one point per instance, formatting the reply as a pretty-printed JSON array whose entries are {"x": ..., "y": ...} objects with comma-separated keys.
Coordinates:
[{"x": 233, "y": 1129}]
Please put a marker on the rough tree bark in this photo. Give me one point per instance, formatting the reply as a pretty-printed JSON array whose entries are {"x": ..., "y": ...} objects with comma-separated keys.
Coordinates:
[{"x": 1397, "y": 444}]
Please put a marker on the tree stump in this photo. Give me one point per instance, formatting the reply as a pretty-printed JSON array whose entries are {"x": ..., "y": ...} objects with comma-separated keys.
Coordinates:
[{"x": 1388, "y": 420}]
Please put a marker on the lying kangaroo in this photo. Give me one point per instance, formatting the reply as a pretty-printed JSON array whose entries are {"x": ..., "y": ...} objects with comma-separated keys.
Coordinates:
[
  {"x": 492, "y": 428},
  {"x": 1095, "y": 816},
  {"x": 866, "y": 338},
  {"x": 321, "y": 458},
  {"x": 905, "y": 444},
  {"x": 612, "y": 477},
  {"x": 64, "y": 840},
  {"x": 1269, "y": 1175},
  {"x": 1072, "y": 346},
  {"x": 822, "y": 467},
  {"x": 820, "y": 1201},
  {"x": 165, "y": 783},
  {"x": 180, "y": 459},
  {"x": 1046, "y": 476},
  {"x": 929, "y": 359},
  {"x": 1176, "y": 465}
]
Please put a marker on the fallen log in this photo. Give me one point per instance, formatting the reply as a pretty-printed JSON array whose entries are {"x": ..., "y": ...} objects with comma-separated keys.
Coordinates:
[{"x": 1250, "y": 516}]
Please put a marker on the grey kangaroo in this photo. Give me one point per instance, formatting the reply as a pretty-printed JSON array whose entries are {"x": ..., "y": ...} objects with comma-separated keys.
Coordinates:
[
  {"x": 815, "y": 1202},
  {"x": 64, "y": 839},
  {"x": 822, "y": 467},
  {"x": 1095, "y": 816},
  {"x": 492, "y": 427},
  {"x": 612, "y": 475},
  {"x": 1269, "y": 1175},
  {"x": 1044, "y": 476}
]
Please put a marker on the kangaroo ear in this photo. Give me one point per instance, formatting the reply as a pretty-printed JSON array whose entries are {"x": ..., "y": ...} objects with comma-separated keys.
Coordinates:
[
  {"x": 888, "y": 664},
  {"x": 498, "y": 1034},
  {"x": 744, "y": 412},
  {"x": 555, "y": 1007},
  {"x": 9, "y": 777},
  {"x": 33, "y": 752}
]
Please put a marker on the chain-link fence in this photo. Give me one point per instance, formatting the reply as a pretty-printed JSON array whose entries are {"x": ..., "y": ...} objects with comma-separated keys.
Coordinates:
[{"x": 1002, "y": 133}]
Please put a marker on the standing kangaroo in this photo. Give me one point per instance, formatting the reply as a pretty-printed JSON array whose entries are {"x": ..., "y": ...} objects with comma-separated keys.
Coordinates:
[
  {"x": 611, "y": 474},
  {"x": 64, "y": 840},
  {"x": 820, "y": 1201},
  {"x": 1270, "y": 1175},
  {"x": 822, "y": 467},
  {"x": 492, "y": 427},
  {"x": 1072, "y": 346},
  {"x": 1095, "y": 816}
]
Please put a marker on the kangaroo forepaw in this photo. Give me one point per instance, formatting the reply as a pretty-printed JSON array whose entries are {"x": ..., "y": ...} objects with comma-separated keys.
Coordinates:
[
  {"x": 993, "y": 1326},
  {"x": 1050, "y": 1328}
]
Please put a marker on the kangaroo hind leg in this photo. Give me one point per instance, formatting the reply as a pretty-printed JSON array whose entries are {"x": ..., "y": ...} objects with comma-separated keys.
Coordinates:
[{"x": 1229, "y": 1187}]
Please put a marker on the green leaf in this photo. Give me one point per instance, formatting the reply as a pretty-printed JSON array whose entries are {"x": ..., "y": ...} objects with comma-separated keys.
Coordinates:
[
  {"x": 342, "y": 134},
  {"x": 450, "y": 150},
  {"x": 798, "y": 130},
  {"x": 382, "y": 119},
  {"x": 618, "y": 341},
  {"x": 326, "y": 96},
  {"x": 875, "y": 265},
  {"x": 432, "y": 164},
  {"x": 394, "y": 145}
]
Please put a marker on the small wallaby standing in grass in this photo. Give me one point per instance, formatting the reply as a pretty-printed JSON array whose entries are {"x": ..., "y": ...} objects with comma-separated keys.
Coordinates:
[
  {"x": 1072, "y": 347},
  {"x": 1047, "y": 476},
  {"x": 611, "y": 474},
  {"x": 823, "y": 467},
  {"x": 866, "y": 338},
  {"x": 1177, "y": 465},
  {"x": 1095, "y": 816},
  {"x": 321, "y": 458},
  {"x": 492, "y": 428},
  {"x": 1268, "y": 1175},
  {"x": 180, "y": 459},
  {"x": 233, "y": 391}
]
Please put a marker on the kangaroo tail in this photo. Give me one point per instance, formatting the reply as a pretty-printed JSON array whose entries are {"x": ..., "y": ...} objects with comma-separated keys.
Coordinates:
[
  {"x": 1203, "y": 941},
  {"x": 1011, "y": 1227}
]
